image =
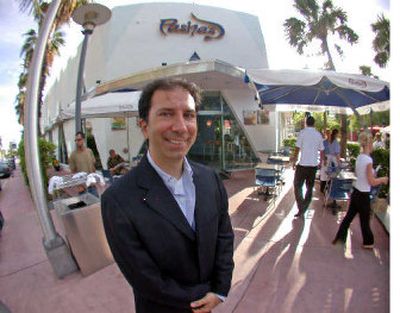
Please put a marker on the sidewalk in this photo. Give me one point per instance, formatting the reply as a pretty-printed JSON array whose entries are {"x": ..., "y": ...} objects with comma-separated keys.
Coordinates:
[{"x": 281, "y": 265}]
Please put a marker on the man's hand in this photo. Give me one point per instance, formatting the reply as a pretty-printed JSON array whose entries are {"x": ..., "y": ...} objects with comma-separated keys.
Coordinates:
[{"x": 205, "y": 304}]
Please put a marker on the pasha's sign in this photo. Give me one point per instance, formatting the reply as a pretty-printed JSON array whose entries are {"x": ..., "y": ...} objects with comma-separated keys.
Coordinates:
[{"x": 195, "y": 26}]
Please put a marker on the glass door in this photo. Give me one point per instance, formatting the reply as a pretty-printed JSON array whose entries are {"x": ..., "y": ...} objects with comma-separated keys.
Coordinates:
[
  {"x": 221, "y": 143},
  {"x": 208, "y": 147}
]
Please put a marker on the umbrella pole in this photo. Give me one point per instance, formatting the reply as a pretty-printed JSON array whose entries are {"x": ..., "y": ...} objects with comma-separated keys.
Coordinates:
[
  {"x": 127, "y": 139},
  {"x": 370, "y": 120}
]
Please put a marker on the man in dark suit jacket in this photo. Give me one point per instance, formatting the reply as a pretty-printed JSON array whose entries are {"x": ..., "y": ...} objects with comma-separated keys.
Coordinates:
[{"x": 167, "y": 220}]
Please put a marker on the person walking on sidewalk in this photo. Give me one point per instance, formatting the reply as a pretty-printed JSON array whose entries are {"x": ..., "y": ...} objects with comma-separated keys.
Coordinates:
[
  {"x": 166, "y": 220},
  {"x": 310, "y": 146},
  {"x": 323, "y": 175},
  {"x": 331, "y": 163},
  {"x": 359, "y": 200}
]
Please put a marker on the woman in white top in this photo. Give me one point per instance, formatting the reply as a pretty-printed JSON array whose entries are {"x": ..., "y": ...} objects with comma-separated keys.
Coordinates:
[{"x": 360, "y": 201}]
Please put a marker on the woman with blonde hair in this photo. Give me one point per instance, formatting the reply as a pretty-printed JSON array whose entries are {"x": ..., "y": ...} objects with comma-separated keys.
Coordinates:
[{"x": 359, "y": 200}]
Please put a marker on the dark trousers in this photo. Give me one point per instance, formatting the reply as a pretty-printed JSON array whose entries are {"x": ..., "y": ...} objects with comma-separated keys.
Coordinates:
[
  {"x": 304, "y": 174},
  {"x": 359, "y": 203},
  {"x": 322, "y": 185}
]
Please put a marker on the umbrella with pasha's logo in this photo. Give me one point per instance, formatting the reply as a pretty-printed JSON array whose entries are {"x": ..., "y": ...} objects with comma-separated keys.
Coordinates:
[{"x": 290, "y": 90}]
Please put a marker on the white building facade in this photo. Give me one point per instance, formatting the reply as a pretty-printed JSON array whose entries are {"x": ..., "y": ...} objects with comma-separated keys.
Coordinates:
[{"x": 207, "y": 45}]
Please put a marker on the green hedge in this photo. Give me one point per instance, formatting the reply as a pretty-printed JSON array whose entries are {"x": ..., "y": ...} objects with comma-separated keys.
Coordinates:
[
  {"x": 47, "y": 155},
  {"x": 290, "y": 142},
  {"x": 382, "y": 157}
]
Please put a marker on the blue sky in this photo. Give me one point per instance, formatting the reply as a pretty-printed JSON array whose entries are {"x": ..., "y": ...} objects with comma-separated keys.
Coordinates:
[
  {"x": 12, "y": 25},
  {"x": 280, "y": 55}
]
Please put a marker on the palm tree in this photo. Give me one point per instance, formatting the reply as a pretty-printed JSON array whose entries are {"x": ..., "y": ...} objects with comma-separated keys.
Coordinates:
[
  {"x": 26, "y": 55},
  {"x": 319, "y": 23},
  {"x": 381, "y": 42},
  {"x": 38, "y": 8},
  {"x": 366, "y": 71}
]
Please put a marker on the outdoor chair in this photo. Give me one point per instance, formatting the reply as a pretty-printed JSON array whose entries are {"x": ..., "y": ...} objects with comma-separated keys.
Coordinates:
[
  {"x": 107, "y": 176},
  {"x": 281, "y": 170},
  {"x": 267, "y": 181},
  {"x": 338, "y": 189}
]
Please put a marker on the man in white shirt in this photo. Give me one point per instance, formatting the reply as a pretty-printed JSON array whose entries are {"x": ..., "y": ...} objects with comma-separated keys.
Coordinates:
[{"x": 310, "y": 145}]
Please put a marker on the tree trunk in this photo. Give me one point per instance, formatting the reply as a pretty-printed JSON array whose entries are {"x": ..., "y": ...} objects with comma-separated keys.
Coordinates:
[{"x": 325, "y": 49}]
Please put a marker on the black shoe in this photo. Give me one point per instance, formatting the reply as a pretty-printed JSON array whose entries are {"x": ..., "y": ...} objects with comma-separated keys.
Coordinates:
[
  {"x": 299, "y": 214},
  {"x": 336, "y": 241}
]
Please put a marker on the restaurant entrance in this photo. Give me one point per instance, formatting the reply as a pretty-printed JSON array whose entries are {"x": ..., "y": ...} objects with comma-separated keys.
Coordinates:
[{"x": 221, "y": 143}]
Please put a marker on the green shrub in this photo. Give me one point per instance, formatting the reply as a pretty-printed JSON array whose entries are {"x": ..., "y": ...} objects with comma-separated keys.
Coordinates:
[
  {"x": 353, "y": 149},
  {"x": 47, "y": 155},
  {"x": 382, "y": 157},
  {"x": 290, "y": 142}
]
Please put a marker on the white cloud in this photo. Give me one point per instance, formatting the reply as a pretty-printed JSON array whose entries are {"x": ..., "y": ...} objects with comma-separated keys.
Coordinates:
[{"x": 10, "y": 129}]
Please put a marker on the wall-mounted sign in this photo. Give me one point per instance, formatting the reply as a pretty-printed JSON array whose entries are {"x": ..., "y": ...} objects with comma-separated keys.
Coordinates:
[
  {"x": 196, "y": 26},
  {"x": 118, "y": 123},
  {"x": 256, "y": 117}
]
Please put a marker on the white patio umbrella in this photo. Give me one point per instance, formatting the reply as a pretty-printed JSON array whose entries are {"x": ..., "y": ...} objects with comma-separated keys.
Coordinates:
[{"x": 113, "y": 104}]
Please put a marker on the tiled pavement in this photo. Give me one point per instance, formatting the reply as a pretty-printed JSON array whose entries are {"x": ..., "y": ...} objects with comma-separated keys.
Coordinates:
[{"x": 282, "y": 265}]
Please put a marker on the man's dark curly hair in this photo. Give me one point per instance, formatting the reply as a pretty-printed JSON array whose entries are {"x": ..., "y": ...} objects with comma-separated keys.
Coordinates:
[{"x": 166, "y": 85}]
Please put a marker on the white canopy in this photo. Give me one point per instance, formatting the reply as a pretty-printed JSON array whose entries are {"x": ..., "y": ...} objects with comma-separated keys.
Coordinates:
[{"x": 113, "y": 104}]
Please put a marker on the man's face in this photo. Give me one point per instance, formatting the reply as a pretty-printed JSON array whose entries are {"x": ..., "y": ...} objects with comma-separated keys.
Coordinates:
[
  {"x": 171, "y": 127},
  {"x": 79, "y": 141}
]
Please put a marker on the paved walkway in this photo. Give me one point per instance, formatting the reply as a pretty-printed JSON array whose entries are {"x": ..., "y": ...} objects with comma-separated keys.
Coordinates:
[{"x": 282, "y": 265}]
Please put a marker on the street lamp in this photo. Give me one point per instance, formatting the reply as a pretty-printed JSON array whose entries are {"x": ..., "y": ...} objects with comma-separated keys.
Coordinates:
[{"x": 89, "y": 16}]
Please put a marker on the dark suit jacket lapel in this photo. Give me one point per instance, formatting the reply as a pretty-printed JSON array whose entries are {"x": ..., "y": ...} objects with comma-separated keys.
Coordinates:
[
  {"x": 160, "y": 199},
  {"x": 205, "y": 202}
]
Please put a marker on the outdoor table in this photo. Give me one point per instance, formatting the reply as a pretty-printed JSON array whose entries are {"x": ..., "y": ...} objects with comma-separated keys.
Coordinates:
[
  {"x": 278, "y": 159},
  {"x": 344, "y": 175},
  {"x": 275, "y": 167}
]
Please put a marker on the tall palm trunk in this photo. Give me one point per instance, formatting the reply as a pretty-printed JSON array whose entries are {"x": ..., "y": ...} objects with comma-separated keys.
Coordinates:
[{"x": 343, "y": 117}]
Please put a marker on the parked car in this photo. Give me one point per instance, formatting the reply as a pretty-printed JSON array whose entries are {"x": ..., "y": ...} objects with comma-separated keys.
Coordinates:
[
  {"x": 11, "y": 163},
  {"x": 5, "y": 170}
]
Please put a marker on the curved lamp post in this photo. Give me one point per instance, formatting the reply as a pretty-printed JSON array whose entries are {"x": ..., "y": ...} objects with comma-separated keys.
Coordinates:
[
  {"x": 89, "y": 16},
  {"x": 56, "y": 249}
]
